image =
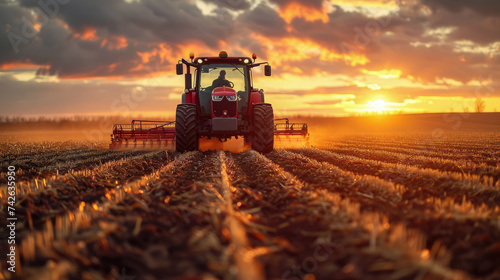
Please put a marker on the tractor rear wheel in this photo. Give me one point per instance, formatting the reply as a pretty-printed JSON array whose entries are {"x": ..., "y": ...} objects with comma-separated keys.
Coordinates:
[
  {"x": 186, "y": 129},
  {"x": 263, "y": 128}
]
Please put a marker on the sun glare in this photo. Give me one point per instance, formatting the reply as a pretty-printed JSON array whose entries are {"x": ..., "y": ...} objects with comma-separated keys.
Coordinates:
[{"x": 377, "y": 105}]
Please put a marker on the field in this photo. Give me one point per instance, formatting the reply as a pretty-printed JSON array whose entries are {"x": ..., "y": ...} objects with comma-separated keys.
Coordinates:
[{"x": 406, "y": 205}]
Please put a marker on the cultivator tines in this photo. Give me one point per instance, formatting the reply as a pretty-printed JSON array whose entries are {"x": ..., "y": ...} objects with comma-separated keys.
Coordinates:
[
  {"x": 142, "y": 134},
  {"x": 284, "y": 130}
]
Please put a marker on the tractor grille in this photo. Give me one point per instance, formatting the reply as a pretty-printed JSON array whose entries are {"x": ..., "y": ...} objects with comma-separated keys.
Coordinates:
[{"x": 224, "y": 104}]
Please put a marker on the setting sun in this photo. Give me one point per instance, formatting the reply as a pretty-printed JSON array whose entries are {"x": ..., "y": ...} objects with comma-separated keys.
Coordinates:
[{"x": 378, "y": 105}]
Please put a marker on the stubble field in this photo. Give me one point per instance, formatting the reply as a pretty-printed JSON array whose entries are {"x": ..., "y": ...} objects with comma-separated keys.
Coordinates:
[{"x": 382, "y": 206}]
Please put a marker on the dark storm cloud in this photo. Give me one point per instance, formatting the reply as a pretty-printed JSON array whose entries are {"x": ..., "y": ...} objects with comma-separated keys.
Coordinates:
[
  {"x": 484, "y": 7},
  {"x": 64, "y": 55},
  {"x": 263, "y": 20},
  {"x": 12, "y": 19},
  {"x": 148, "y": 20},
  {"x": 353, "y": 28},
  {"x": 236, "y": 5},
  {"x": 476, "y": 28},
  {"x": 144, "y": 25},
  {"x": 317, "y": 4}
]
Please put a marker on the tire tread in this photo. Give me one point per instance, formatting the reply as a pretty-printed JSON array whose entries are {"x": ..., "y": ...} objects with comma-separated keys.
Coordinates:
[
  {"x": 186, "y": 132},
  {"x": 263, "y": 132}
]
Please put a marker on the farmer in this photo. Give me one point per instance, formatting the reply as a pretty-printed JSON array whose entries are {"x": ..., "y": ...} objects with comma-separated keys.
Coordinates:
[{"x": 221, "y": 80}]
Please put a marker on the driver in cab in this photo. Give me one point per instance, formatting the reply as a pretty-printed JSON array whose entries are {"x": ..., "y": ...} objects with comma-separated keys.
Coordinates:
[{"x": 221, "y": 80}]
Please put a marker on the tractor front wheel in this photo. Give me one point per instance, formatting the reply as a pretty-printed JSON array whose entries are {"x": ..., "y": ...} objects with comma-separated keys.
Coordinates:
[
  {"x": 263, "y": 128},
  {"x": 186, "y": 129}
]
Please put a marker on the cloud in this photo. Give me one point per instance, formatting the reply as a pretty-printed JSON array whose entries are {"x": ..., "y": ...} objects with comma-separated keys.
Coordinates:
[
  {"x": 263, "y": 20},
  {"x": 306, "y": 10},
  {"x": 148, "y": 20},
  {"x": 231, "y": 4},
  {"x": 119, "y": 30},
  {"x": 484, "y": 7}
]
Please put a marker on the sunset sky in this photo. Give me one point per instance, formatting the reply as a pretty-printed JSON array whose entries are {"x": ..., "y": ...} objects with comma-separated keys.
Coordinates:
[{"x": 332, "y": 58}]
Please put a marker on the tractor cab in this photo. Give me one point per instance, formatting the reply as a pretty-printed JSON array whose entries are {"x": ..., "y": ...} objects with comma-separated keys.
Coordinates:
[
  {"x": 210, "y": 73},
  {"x": 234, "y": 78}
]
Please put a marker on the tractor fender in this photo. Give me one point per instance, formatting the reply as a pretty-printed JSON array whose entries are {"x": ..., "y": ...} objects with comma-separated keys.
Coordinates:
[
  {"x": 255, "y": 98},
  {"x": 189, "y": 98}
]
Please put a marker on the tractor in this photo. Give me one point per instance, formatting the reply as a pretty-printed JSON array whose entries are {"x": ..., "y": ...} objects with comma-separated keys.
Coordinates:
[{"x": 220, "y": 102}]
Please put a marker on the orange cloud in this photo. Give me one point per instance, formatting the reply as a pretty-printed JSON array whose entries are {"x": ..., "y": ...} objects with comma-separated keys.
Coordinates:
[
  {"x": 115, "y": 43},
  {"x": 18, "y": 65},
  {"x": 88, "y": 34},
  {"x": 296, "y": 10},
  {"x": 112, "y": 43},
  {"x": 172, "y": 53},
  {"x": 292, "y": 49},
  {"x": 138, "y": 67},
  {"x": 162, "y": 51}
]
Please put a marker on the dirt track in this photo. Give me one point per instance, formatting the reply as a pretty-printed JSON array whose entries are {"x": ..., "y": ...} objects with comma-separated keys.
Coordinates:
[{"x": 358, "y": 208}]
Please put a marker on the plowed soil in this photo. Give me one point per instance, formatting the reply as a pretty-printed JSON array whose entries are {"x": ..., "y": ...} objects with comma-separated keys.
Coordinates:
[{"x": 377, "y": 207}]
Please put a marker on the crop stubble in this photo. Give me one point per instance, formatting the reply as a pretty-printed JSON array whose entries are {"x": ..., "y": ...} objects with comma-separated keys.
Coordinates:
[{"x": 347, "y": 212}]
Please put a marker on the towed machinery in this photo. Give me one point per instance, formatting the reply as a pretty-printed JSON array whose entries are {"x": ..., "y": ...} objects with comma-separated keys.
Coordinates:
[{"x": 221, "y": 103}]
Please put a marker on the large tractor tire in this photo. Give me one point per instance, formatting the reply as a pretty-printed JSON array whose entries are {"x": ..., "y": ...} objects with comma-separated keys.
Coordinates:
[
  {"x": 186, "y": 129},
  {"x": 263, "y": 128}
]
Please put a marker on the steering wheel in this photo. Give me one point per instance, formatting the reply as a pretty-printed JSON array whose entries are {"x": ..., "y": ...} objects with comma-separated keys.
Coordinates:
[{"x": 231, "y": 84}]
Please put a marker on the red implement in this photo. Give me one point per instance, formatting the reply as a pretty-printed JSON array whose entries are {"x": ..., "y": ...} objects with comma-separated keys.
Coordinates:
[
  {"x": 141, "y": 133},
  {"x": 284, "y": 130}
]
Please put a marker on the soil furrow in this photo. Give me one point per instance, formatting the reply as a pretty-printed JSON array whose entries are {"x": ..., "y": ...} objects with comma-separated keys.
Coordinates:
[
  {"x": 9, "y": 150},
  {"x": 68, "y": 192},
  {"x": 112, "y": 230},
  {"x": 419, "y": 183},
  {"x": 484, "y": 171},
  {"x": 303, "y": 231},
  {"x": 40, "y": 168},
  {"x": 454, "y": 225},
  {"x": 474, "y": 156}
]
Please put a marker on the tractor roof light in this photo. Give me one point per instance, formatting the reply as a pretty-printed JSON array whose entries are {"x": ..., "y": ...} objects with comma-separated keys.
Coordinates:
[
  {"x": 223, "y": 54},
  {"x": 200, "y": 61},
  {"x": 254, "y": 56},
  {"x": 191, "y": 55},
  {"x": 246, "y": 60}
]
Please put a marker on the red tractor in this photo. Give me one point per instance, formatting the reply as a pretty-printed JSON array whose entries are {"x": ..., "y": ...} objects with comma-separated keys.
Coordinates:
[{"x": 221, "y": 103}]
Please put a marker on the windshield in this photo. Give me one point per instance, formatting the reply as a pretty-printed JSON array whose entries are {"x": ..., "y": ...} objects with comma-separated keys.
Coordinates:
[
  {"x": 229, "y": 75},
  {"x": 217, "y": 75}
]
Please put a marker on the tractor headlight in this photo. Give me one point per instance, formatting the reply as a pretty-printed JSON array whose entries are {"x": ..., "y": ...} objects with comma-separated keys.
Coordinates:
[
  {"x": 232, "y": 98},
  {"x": 200, "y": 61},
  {"x": 246, "y": 60},
  {"x": 217, "y": 98}
]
